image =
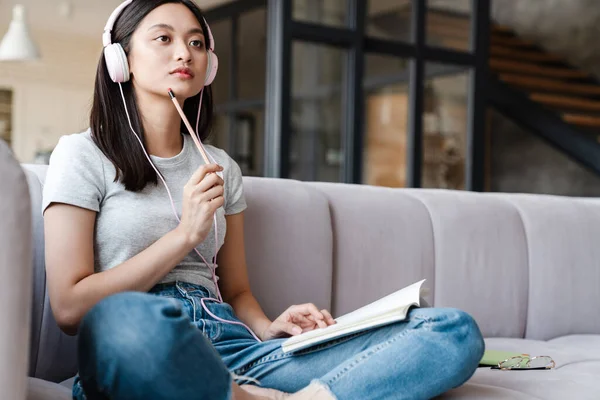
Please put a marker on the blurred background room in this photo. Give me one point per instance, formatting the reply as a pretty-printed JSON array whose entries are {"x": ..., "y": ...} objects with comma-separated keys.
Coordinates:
[{"x": 481, "y": 95}]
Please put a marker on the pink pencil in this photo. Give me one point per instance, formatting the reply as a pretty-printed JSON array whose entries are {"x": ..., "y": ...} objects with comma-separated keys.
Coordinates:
[{"x": 190, "y": 129}]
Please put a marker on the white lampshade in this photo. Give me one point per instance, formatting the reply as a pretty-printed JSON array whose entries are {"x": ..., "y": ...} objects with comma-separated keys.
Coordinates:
[{"x": 17, "y": 44}]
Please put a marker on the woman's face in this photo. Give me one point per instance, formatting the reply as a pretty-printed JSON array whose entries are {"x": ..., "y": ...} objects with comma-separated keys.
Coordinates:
[{"x": 167, "y": 50}]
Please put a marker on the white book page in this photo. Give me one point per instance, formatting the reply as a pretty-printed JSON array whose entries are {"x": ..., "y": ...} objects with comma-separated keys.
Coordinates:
[
  {"x": 398, "y": 299},
  {"x": 292, "y": 345},
  {"x": 387, "y": 309}
]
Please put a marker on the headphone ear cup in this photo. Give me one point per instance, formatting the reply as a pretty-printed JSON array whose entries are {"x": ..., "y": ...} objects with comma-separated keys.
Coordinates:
[
  {"x": 211, "y": 67},
  {"x": 116, "y": 63}
]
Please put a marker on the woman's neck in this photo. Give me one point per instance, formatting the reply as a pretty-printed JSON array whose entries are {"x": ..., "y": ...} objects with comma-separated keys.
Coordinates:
[{"x": 161, "y": 126}]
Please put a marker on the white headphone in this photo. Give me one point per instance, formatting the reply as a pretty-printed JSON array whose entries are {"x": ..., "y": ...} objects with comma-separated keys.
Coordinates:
[{"x": 116, "y": 59}]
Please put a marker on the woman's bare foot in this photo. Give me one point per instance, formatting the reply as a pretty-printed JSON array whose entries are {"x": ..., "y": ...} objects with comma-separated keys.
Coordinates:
[
  {"x": 252, "y": 392},
  {"x": 314, "y": 391}
]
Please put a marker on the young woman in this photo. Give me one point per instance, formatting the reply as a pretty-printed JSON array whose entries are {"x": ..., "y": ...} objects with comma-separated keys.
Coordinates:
[{"x": 129, "y": 272}]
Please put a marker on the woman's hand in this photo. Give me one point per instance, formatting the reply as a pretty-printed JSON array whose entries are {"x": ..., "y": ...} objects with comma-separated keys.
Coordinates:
[
  {"x": 296, "y": 320},
  {"x": 202, "y": 196}
]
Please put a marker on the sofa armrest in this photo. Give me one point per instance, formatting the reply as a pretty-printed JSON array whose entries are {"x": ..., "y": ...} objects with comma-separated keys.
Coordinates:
[{"x": 15, "y": 276}]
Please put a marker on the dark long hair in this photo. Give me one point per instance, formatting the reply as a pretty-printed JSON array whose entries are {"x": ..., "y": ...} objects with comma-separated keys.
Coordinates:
[{"x": 108, "y": 120}]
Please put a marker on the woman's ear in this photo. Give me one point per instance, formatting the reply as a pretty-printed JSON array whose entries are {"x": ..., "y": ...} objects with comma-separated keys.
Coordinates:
[
  {"x": 128, "y": 57},
  {"x": 131, "y": 65}
]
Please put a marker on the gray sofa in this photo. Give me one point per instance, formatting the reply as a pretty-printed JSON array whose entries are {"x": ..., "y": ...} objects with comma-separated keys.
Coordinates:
[{"x": 527, "y": 267}]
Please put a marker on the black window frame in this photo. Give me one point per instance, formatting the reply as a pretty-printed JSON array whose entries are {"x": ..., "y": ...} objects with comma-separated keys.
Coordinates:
[{"x": 283, "y": 31}]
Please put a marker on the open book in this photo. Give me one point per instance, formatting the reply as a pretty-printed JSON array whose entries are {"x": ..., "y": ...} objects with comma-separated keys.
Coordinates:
[{"x": 391, "y": 308}]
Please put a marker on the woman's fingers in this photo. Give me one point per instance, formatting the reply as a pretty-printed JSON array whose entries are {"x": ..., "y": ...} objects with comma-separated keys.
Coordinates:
[
  {"x": 213, "y": 193},
  {"x": 328, "y": 318},
  {"x": 209, "y": 181},
  {"x": 202, "y": 171},
  {"x": 289, "y": 328},
  {"x": 311, "y": 309}
]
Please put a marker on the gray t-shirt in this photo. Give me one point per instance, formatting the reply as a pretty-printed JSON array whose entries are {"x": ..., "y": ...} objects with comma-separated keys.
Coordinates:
[{"x": 127, "y": 222}]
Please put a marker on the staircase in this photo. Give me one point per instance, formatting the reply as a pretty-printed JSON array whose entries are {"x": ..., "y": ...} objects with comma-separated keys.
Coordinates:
[
  {"x": 536, "y": 89},
  {"x": 545, "y": 79}
]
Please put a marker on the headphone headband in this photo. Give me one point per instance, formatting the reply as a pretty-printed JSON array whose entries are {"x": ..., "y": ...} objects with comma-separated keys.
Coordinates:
[
  {"x": 211, "y": 39},
  {"x": 106, "y": 36}
]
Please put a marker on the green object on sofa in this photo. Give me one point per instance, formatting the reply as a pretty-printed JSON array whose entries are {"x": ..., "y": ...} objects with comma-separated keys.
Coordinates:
[{"x": 493, "y": 357}]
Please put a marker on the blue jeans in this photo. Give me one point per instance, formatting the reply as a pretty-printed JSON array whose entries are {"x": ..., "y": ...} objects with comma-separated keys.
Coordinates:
[{"x": 164, "y": 345}]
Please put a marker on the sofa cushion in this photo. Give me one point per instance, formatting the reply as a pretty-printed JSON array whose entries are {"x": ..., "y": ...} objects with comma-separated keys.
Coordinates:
[
  {"x": 15, "y": 275},
  {"x": 564, "y": 272},
  {"x": 69, "y": 383},
  {"x": 39, "y": 389},
  {"x": 286, "y": 251},
  {"x": 576, "y": 374},
  {"x": 475, "y": 391},
  {"x": 52, "y": 353},
  {"x": 480, "y": 251},
  {"x": 367, "y": 264}
]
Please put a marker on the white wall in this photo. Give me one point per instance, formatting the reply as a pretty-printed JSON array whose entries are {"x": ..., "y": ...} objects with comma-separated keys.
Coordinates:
[{"x": 52, "y": 96}]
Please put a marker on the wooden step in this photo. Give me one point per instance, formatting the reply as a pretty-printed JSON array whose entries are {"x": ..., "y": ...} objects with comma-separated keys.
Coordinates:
[
  {"x": 565, "y": 102},
  {"x": 510, "y": 41},
  {"x": 464, "y": 32},
  {"x": 582, "y": 120},
  {"x": 456, "y": 31},
  {"x": 462, "y": 24},
  {"x": 450, "y": 43},
  {"x": 523, "y": 55},
  {"x": 448, "y": 31},
  {"x": 528, "y": 68},
  {"x": 501, "y": 28},
  {"x": 448, "y": 20},
  {"x": 546, "y": 84},
  {"x": 458, "y": 25}
]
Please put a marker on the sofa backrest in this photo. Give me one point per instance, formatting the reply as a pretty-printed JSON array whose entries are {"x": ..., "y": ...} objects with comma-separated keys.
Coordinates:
[
  {"x": 522, "y": 265},
  {"x": 53, "y": 354},
  {"x": 525, "y": 266},
  {"x": 15, "y": 276}
]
